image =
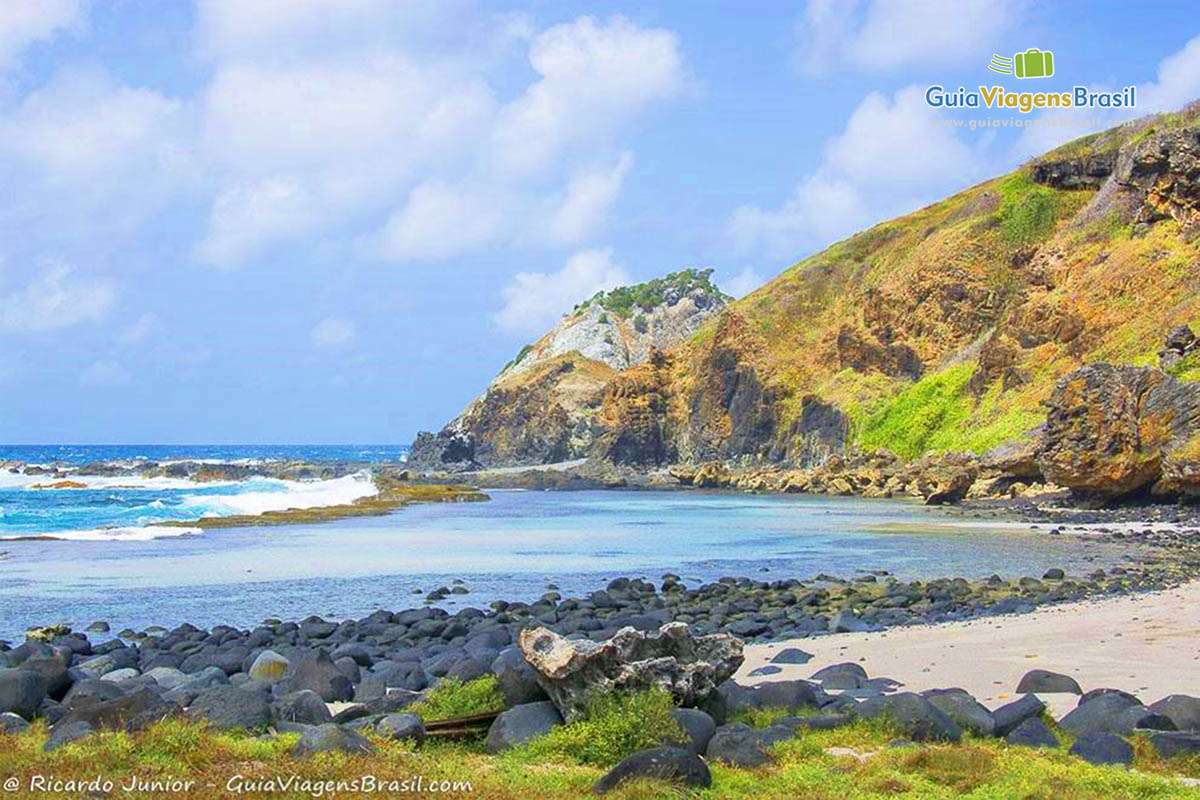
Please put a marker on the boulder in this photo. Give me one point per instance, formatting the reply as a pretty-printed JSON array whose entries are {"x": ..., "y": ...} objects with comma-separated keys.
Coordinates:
[
  {"x": 1033, "y": 732},
  {"x": 54, "y": 672},
  {"x": 743, "y": 746},
  {"x": 574, "y": 670},
  {"x": 269, "y": 666},
  {"x": 1175, "y": 743},
  {"x": 229, "y": 708},
  {"x": 131, "y": 712},
  {"x": 331, "y": 738},
  {"x": 698, "y": 728},
  {"x": 11, "y": 723},
  {"x": 846, "y": 675},
  {"x": 521, "y": 723},
  {"x": 1103, "y": 748},
  {"x": 915, "y": 717},
  {"x": 1037, "y": 681},
  {"x": 967, "y": 712},
  {"x": 168, "y": 677},
  {"x": 90, "y": 690},
  {"x": 402, "y": 726},
  {"x": 319, "y": 674},
  {"x": 1102, "y": 714},
  {"x": 1009, "y": 716},
  {"x": 1182, "y": 709},
  {"x": 671, "y": 764},
  {"x": 791, "y": 655},
  {"x": 305, "y": 707},
  {"x": 64, "y": 734},
  {"x": 21, "y": 692},
  {"x": 1109, "y": 429}
]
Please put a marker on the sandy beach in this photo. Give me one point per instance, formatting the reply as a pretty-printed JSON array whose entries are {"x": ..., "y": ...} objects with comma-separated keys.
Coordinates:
[{"x": 1147, "y": 644}]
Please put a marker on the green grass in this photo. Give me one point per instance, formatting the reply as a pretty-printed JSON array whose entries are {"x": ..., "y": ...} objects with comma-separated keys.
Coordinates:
[
  {"x": 1187, "y": 369},
  {"x": 614, "y": 727},
  {"x": 453, "y": 698},
  {"x": 909, "y": 423},
  {"x": 1027, "y": 210}
]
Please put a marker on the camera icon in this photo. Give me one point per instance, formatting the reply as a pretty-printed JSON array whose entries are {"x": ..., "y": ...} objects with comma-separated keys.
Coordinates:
[{"x": 1033, "y": 63}]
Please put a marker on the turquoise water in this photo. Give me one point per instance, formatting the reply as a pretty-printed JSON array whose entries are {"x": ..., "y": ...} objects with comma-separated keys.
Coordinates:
[{"x": 508, "y": 548}]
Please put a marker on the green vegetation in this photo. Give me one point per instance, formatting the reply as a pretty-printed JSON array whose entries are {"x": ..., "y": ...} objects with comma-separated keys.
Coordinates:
[
  {"x": 867, "y": 769},
  {"x": 624, "y": 300},
  {"x": 518, "y": 357},
  {"x": 614, "y": 727},
  {"x": 1027, "y": 210},
  {"x": 909, "y": 423},
  {"x": 452, "y": 698},
  {"x": 1187, "y": 369},
  {"x": 639, "y": 323}
]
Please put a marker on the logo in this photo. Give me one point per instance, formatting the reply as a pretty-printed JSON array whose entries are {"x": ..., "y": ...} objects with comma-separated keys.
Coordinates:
[{"x": 1033, "y": 63}]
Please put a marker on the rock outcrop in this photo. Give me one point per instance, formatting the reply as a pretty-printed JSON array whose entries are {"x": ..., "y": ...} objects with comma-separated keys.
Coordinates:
[
  {"x": 1110, "y": 430},
  {"x": 572, "y": 671}
]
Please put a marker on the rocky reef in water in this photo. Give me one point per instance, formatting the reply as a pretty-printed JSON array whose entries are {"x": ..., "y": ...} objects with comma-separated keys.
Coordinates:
[{"x": 1000, "y": 338}]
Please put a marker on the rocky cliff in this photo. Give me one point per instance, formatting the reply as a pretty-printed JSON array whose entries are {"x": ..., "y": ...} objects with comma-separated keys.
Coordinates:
[
  {"x": 946, "y": 330},
  {"x": 542, "y": 406}
]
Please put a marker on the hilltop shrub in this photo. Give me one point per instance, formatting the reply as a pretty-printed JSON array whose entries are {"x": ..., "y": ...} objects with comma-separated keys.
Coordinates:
[
  {"x": 614, "y": 727},
  {"x": 908, "y": 424},
  {"x": 1027, "y": 210}
]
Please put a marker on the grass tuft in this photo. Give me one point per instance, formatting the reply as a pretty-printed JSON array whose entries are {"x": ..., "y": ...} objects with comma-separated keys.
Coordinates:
[{"x": 452, "y": 698}]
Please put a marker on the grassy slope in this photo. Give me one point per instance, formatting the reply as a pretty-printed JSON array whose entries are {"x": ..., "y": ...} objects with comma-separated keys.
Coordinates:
[{"x": 944, "y": 279}]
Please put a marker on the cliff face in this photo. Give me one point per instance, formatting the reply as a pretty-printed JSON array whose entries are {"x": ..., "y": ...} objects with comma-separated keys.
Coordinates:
[
  {"x": 542, "y": 408},
  {"x": 943, "y": 330}
]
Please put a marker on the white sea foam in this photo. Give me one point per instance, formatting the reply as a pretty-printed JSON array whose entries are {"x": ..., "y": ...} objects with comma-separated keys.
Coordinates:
[
  {"x": 143, "y": 534},
  {"x": 283, "y": 495},
  {"x": 14, "y": 480}
]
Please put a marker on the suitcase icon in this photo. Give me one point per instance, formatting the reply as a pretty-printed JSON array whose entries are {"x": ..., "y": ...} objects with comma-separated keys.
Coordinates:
[{"x": 1034, "y": 63}]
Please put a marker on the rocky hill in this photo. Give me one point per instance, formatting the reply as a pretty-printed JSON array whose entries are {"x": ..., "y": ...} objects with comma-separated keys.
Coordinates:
[
  {"x": 542, "y": 405},
  {"x": 946, "y": 330}
]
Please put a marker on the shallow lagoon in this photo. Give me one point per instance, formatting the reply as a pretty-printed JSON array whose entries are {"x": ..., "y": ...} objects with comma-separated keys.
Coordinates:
[{"x": 509, "y": 548}]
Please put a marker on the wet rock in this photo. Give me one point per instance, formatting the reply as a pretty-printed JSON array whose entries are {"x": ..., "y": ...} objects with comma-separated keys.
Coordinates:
[
  {"x": 1103, "y": 748},
  {"x": 1037, "y": 681},
  {"x": 521, "y": 723},
  {"x": 671, "y": 764},
  {"x": 331, "y": 738},
  {"x": 572, "y": 671}
]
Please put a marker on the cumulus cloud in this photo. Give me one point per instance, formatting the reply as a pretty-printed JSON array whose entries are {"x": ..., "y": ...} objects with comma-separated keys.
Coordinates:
[
  {"x": 24, "y": 23},
  {"x": 439, "y": 221},
  {"x": 881, "y": 35},
  {"x": 889, "y": 159},
  {"x": 533, "y": 301},
  {"x": 140, "y": 330},
  {"x": 333, "y": 333},
  {"x": 587, "y": 199},
  {"x": 247, "y": 218},
  {"x": 105, "y": 372},
  {"x": 57, "y": 297}
]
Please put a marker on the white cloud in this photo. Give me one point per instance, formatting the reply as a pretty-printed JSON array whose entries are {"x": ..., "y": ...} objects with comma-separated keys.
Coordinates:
[
  {"x": 247, "y": 218},
  {"x": 587, "y": 200},
  {"x": 889, "y": 159},
  {"x": 140, "y": 330},
  {"x": 105, "y": 372},
  {"x": 333, "y": 333},
  {"x": 534, "y": 301},
  {"x": 439, "y": 221},
  {"x": 25, "y": 22},
  {"x": 743, "y": 283},
  {"x": 594, "y": 78},
  {"x": 56, "y": 298},
  {"x": 882, "y": 35}
]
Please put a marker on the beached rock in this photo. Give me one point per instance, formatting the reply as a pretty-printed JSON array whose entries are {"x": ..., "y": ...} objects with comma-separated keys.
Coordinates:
[
  {"x": 305, "y": 707},
  {"x": 21, "y": 692},
  {"x": 319, "y": 674},
  {"x": 54, "y": 672},
  {"x": 965, "y": 710},
  {"x": 742, "y": 746},
  {"x": 1007, "y": 717},
  {"x": 64, "y": 734},
  {"x": 572, "y": 671},
  {"x": 1037, "y": 681},
  {"x": 521, "y": 723},
  {"x": 168, "y": 677},
  {"x": 269, "y": 666},
  {"x": 402, "y": 726},
  {"x": 229, "y": 708},
  {"x": 1182, "y": 709},
  {"x": 847, "y": 675},
  {"x": 670, "y": 764},
  {"x": 132, "y": 712},
  {"x": 791, "y": 655},
  {"x": 913, "y": 715},
  {"x": 1033, "y": 732},
  {"x": 331, "y": 738},
  {"x": 1102, "y": 714},
  {"x": 1169, "y": 744},
  {"x": 1103, "y": 748}
]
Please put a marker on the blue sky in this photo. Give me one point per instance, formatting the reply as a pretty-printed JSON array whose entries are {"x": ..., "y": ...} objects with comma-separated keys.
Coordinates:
[{"x": 239, "y": 221}]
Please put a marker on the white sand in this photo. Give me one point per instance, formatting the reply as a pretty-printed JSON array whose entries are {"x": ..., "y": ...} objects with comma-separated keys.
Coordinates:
[{"x": 1147, "y": 644}]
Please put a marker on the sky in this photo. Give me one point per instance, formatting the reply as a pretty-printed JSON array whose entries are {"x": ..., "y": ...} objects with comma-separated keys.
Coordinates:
[{"x": 332, "y": 221}]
